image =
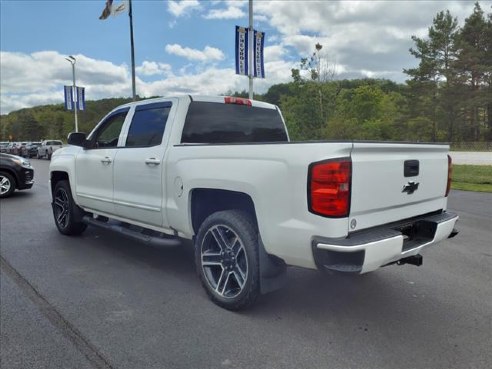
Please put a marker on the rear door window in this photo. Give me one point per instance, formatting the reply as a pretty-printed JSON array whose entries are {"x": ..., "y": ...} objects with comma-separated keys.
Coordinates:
[
  {"x": 208, "y": 122},
  {"x": 148, "y": 124}
]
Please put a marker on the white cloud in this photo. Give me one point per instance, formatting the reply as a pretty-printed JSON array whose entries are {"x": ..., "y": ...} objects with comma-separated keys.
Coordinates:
[
  {"x": 179, "y": 8},
  {"x": 150, "y": 68},
  {"x": 208, "y": 53},
  {"x": 274, "y": 52},
  {"x": 365, "y": 37},
  {"x": 37, "y": 79},
  {"x": 232, "y": 10}
]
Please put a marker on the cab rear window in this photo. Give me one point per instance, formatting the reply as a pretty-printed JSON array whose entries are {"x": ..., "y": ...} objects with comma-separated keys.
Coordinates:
[{"x": 208, "y": 122}]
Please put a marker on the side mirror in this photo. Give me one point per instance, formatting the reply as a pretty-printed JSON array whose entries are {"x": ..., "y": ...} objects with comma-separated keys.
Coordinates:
[{"x": 77, "y": 139}]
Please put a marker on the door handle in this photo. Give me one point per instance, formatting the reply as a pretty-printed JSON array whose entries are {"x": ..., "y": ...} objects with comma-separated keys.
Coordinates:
[
  {"x": 106, "y": 160},
  {"x": 152, "y": 161}
]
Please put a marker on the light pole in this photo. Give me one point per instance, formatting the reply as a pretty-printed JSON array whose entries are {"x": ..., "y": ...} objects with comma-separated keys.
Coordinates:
[
  {"x": 250, "y": 49},
  {"x": 72, "y": 61}
]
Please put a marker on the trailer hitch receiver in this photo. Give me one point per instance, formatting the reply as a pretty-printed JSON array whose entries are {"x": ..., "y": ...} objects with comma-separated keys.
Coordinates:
[{"x": 413, "y": 260}]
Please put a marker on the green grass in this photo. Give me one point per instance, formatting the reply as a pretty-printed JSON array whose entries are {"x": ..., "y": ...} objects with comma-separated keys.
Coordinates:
[{"x": 472, "y": 178}]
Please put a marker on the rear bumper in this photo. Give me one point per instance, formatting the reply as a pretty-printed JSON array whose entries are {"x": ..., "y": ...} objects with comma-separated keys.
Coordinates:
[{"x": 367, "y": 250}]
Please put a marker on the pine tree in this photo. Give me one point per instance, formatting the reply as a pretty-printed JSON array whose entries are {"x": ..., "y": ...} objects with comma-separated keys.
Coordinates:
[
  {"x": 433, "y": 82},
  {"x": 474, "y": 66}
]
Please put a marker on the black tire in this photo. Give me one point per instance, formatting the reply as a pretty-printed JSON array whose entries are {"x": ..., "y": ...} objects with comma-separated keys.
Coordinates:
[
  {"x": 7, "y": 185},
  {"x": 65, "y": 210},
  {"x": 231, "y": 272}
]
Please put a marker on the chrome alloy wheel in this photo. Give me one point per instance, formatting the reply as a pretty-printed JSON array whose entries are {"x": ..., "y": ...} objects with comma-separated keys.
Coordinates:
[
  {"x": 224, "y": 261},
  {"x": 5, "y": 185},
  {"x": 62, "y": 207}
]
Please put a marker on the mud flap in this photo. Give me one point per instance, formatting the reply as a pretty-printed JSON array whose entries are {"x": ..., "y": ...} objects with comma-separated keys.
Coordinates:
[{"x": 273, "y": 270}]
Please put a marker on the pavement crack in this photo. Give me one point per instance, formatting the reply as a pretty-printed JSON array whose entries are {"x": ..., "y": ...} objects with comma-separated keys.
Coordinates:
[{"x": 91, "y": 353}]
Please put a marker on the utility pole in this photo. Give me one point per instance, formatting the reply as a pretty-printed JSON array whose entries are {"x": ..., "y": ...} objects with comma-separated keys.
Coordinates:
[
  {"x": 72, "y": 61},
  {"x": 250, "y": 49},
  {"x": 134, "y": 93}
]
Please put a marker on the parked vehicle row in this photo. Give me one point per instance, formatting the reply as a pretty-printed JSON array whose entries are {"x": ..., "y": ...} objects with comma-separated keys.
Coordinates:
[{"x": 37, "y": 150}]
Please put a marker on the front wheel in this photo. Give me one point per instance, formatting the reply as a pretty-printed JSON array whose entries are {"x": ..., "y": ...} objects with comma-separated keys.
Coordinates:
[
  {"x": 64, "y": 209},
  {"x": 7, "y": 185},
  {"x": 226, "y": 257}
]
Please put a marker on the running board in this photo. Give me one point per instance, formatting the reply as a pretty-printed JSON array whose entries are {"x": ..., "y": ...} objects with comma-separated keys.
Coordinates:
[{"x": 140, "y": 234}]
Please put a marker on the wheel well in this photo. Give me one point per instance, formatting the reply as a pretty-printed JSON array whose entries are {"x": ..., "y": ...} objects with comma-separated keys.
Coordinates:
[
  {"x": 205, "y": 202},
  {"x": 57, "y": 177}
]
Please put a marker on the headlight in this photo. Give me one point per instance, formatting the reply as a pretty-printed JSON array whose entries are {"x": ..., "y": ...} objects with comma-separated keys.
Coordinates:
[{"x": 22, "y": 162}]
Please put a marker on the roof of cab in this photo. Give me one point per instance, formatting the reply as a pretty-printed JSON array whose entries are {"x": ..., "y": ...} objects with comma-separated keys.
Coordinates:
[{"x": 202, "y": 98}]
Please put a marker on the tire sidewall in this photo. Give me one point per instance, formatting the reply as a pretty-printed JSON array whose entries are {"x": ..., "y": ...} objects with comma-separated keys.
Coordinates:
[
  {"x": 244, "y": 228},
  {"x": 72, "y": 227},
  {"x": 12, "y": 185}
]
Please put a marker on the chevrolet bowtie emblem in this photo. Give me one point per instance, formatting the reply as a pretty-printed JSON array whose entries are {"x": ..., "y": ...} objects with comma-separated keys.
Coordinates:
[{"x": 410, "y": 187}]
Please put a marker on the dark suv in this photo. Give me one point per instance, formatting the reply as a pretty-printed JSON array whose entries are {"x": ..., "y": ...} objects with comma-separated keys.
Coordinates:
[{"x": 15, "y": 173}]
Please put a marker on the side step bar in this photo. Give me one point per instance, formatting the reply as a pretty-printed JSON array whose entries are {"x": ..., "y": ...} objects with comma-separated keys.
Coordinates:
[{"x": 147, "y": 236}]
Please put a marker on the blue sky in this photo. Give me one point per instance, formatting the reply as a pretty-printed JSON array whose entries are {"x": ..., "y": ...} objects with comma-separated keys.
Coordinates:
[
  {"x": 188, "y": 46},
  {"x": 74, "y": 27}
]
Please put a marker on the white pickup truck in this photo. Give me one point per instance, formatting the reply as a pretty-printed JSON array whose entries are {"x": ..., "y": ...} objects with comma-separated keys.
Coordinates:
[{"x": 222, "y": 172}]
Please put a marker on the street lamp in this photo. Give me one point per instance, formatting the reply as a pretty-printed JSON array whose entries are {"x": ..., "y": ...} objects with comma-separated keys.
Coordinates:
[{"x": 72, "y": 61}]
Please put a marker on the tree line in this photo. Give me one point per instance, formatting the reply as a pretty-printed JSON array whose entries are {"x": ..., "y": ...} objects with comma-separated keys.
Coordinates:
[
  {"x": 53, "y": 121},
  {"x": 447, "y": 97}
]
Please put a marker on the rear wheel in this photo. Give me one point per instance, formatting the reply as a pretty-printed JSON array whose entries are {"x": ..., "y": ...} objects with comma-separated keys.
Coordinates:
[
  {"x": 64, "y": 209},
  {"x": 226, "y": 256},
  {"x": 7, "y": 185}
]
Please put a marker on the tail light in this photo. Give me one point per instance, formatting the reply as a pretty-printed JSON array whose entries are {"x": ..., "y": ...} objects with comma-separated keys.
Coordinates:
[
  {"x": 329, "y": 185},
  {"x": 450, "y": 172}
]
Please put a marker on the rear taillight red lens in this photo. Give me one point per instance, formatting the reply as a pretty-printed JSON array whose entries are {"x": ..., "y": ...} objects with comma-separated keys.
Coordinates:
[
  {"x": 329, "y": 185},
  {"x": 450, "y": 172}
]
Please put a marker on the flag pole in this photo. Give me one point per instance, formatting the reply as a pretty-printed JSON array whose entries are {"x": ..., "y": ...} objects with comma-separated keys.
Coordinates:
[
  {"x": 71, "y": 59},
  {"x": 134, "y": 93},
  {"x": 250, "y": 49}
]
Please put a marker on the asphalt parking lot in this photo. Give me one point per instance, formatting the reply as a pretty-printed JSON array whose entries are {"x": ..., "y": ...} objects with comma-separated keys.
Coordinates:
[{"x": 101, "y": 301}]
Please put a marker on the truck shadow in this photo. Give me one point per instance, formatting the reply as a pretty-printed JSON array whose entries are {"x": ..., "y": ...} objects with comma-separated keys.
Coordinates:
[
  {"x": 178, "y": 261},
  {"x": 307, "y": 292}
]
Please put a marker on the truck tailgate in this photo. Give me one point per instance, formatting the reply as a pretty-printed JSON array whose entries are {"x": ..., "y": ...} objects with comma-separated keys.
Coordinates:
[{"x": 391, "y": 182}]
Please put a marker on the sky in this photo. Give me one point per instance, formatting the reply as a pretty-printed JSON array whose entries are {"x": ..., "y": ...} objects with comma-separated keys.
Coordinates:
[{"x": 187, "y": 47}]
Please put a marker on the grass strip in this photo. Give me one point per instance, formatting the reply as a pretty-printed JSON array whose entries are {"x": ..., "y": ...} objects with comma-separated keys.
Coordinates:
[{"x": 472, "y": 178}]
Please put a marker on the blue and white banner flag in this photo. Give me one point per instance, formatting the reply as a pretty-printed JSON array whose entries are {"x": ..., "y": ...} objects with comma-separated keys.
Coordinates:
[
  {"x": 258, "y": 60},
  {"x": 69, "y": 103},
  {"x": 81, "y": 98},
  {"x": 242, "y": 40}
]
